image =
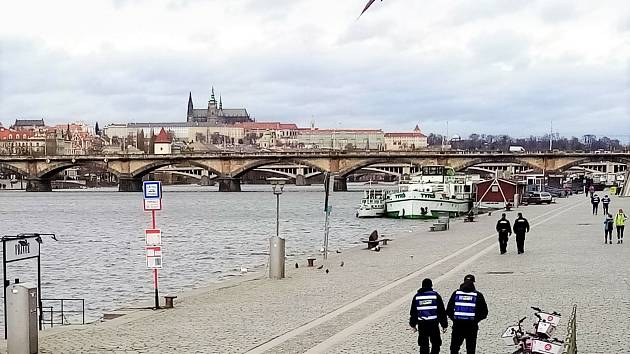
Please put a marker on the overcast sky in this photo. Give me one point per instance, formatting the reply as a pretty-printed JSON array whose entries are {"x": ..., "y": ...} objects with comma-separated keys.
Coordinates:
[{"x": 485, "y": 66}]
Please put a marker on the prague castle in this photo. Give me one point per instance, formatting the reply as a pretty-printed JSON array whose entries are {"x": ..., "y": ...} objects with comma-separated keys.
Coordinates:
[{"x": 215, "y": 114}]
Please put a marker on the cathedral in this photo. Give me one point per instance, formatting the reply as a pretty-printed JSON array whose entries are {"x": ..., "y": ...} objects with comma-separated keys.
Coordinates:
[{"x": 215, "y": 114}]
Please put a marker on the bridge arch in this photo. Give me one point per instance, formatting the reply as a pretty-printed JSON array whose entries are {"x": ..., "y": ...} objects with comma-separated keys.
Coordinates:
[
  {"x": 507, "y": 159},
  {"x": 54, "y": 168},
  {"x": 14, "y": 169},
  {"x": 369, "y": 162},
  {"x": 594, "y": 158},
  {"x": 148, "y": 168},
  {"x": 260, "y": 163}
]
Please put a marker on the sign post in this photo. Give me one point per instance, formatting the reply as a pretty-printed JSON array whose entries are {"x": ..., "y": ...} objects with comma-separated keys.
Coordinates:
[
  {"x": 152, "y": 195},
  {"x": 18, "y": 248}
]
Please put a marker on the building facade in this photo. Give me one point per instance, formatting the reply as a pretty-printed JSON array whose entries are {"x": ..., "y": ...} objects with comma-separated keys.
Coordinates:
[
  {"x": 340, "y": 139},
  {"x": 406, "y": 141}
]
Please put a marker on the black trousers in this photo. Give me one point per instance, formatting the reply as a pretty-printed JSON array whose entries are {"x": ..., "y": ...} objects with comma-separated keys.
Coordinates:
[
  {"x": 461, "y": 332},
  {"x": 605, "y": 208},
  {"x": 620, "y": 232},
  {"x": 429, "y": 333},
  {"x": 595, "y": 205},
  {"x": 503, "y": 241},
  {"x": 520, "y": 243},
  {"x": 608, "y": 235}
]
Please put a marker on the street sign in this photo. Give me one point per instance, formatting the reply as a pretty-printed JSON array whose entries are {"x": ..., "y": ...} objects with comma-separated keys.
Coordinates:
[
  {"x": 21, "y": 248},
  {"x": 152, "y": 204},
  {"x": 152, "y": 189},
  {"x": 153, "y": 237},
  {"x": 154, "y": 257}
]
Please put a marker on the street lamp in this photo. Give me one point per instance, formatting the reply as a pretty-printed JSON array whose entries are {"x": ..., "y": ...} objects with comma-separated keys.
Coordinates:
[{"x": 276, "y": 244}]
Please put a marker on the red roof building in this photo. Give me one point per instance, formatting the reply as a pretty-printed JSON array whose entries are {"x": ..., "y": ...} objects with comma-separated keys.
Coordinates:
[{"x": 163, "y": 138}]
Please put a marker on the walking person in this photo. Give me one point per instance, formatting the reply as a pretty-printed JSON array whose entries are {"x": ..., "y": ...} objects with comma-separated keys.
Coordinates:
[
  {"x": 466, "y": 308},
  {"x": 426, "y": 315},
  {"x": 605, "y": 203},
  {"x": 595, "y": 202},
  {"x": 591, "y": 190},
  {"x": 505, "y": 230},
  {"x": 609, "y": 223},
  {"x": 521, "y": 227},
  {"x": 620, "y": 222}
]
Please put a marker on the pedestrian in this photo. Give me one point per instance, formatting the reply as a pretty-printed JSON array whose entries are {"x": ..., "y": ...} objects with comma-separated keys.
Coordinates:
[
  {"x": 466, "y": 308},
  {"x": 620, "y": 221},
  {"x": 608, "y": 228},
  {"x": 595, "y": 203},
  {"x": 521, "y": 227},
  {"x": 426, "y": 315},
  {"x": 505, "y": 230},
  {"x": 605, "y": 203},
  {"x": 591, "y": 190}
]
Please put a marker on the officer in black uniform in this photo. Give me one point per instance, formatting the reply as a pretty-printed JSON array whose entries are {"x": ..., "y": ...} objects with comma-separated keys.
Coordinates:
[
  {"x": 605, "y": 204},
  {"x": 595, "y": 202},
  {"x": 466, "y": 308},
  {"x": 427, "y": 311},
  {"x": 521, "y": 227},
  {"x": 505, "y": 230}
]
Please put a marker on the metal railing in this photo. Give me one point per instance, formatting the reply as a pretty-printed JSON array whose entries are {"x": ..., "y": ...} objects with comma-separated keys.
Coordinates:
[
  {"x": 570, "y": 343},
  {"x": 63, "y": 314}
]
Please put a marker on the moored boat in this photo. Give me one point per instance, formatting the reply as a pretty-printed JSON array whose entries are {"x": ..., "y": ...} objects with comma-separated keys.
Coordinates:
[
  {"x": 437, "y": 191},
  {"x": 372, "y": 204}
]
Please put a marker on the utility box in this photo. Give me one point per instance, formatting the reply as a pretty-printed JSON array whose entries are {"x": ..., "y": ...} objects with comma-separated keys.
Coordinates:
[{"x": 22, "y": 326}]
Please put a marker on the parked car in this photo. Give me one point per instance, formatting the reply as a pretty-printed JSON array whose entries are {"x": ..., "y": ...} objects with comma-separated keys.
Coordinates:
[
  {"x": 556, "y": 192},
  {"x": 537, "y": 198}
]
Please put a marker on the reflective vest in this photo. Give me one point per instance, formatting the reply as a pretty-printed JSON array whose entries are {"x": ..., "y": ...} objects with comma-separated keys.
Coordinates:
[
  {"x": 605, "y": 200},
  {"x": 595, "y": 200},
  {"x": 426, "y": 304},
  {"x": 465, "y": 303},
  {"x": 620, "y": 219}
]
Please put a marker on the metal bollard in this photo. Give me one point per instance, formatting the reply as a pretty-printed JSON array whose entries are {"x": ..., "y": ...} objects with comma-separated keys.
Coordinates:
[
  {"x": 276, "y": 257},
  {"x": 168, "y": 301}
]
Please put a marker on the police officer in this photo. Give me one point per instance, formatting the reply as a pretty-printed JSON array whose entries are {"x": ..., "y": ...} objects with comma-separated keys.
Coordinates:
[
  {"x": 427, "y": 311},
  {"x": 605, "y": 203},
  {"x": 521, "y": 227},
  {"x": 466, "y": 308},
  {"x": 505, "y": 230},
  {"x": 595, "y": 202}
]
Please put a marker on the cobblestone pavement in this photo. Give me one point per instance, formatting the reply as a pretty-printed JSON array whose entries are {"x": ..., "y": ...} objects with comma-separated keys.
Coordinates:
[{"x": 363, "y": 306}]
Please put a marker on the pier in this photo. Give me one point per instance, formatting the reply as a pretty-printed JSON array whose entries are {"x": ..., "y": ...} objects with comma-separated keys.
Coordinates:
[{"x": 363, "y": 306}]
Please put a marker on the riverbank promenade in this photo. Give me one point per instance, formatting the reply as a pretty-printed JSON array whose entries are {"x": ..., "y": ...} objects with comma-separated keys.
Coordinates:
[{"x": 363, "y": 306}]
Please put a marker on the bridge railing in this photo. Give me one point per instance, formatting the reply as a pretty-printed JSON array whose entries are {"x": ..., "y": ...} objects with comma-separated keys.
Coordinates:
[{"x": 570, "y": 343}]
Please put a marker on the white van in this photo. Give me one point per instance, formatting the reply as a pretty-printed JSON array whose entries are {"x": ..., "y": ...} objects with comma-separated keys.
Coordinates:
[{"x": 517, "y": 148}]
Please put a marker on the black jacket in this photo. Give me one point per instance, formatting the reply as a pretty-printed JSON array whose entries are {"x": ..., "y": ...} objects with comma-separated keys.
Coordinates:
[
  {"x": 503, "y": 226},
  {"x": 521, "y": 226},
  {"x": 441, "y": 312},
  {"x": 481, "y": 308}
]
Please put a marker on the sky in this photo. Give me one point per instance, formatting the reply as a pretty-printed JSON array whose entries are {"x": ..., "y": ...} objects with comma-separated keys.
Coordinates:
[{"x": 485, "y": 66}]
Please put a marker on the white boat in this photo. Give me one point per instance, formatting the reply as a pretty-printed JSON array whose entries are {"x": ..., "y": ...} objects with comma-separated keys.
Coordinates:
[
  {"x": 372, "y": 204},
  {"x": 438, "y": 190}
]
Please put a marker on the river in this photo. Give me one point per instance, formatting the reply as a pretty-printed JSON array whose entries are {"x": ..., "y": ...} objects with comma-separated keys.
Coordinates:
[{"x": 207, "y": 236}]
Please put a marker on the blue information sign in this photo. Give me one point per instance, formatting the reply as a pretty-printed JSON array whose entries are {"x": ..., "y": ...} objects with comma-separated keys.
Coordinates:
[{"x": 152, "y": 189}]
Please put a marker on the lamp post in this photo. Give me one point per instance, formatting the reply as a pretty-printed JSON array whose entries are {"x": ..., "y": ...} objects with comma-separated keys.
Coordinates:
[{"x": 276, "y": 244}]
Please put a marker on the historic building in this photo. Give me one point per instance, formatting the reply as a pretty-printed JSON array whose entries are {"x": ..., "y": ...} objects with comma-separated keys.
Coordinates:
[{"x": 215, "y": 113}]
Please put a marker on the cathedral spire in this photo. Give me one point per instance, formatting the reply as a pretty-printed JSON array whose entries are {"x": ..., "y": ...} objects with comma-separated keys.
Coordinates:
[
  {"x": 212, "y": 98},
  {"x": 190, "y": 105},
  {"x": 220, "y": 102}
]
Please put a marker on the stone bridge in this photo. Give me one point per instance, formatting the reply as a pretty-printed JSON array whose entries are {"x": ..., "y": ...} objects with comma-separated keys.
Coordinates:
[{"x": 229, "y": 167}]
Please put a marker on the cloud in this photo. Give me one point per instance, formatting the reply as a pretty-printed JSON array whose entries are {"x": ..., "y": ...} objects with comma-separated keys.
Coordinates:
[{"x": 489, "y": 66}]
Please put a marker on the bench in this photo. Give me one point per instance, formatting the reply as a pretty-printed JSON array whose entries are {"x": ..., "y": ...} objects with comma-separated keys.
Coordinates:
[
  {"x": 442, "y": 224},
  {"x": 310, "y": 261},
  {"x": 469, "y": 218}
]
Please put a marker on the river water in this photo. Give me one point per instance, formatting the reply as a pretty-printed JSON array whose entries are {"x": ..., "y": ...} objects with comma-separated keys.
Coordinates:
[{"x": 207, "y": 236}]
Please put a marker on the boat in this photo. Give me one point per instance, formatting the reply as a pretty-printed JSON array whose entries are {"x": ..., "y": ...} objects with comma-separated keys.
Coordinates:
[
  {"x": 435, "y": 192},
  {"x": 372, "y": 204}
]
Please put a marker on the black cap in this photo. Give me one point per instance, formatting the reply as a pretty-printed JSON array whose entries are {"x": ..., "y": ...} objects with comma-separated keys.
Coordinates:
[
  {"x": 469, "y": 277},
  {"x": 427, "y": 283}
]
